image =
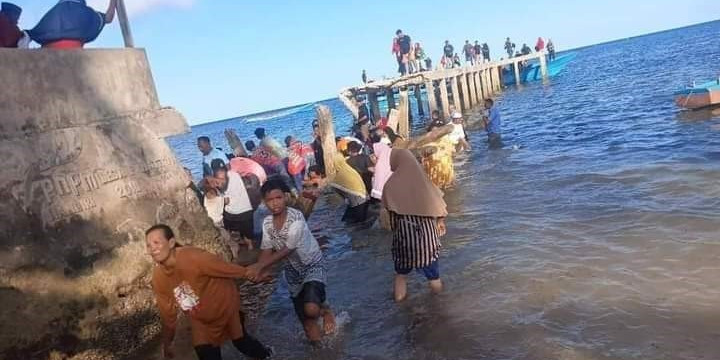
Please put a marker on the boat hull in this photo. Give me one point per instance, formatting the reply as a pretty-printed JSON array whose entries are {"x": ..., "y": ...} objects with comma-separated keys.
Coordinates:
[
  {"x": 698, "y": 97},
  {"x": 532, "y": 72}
]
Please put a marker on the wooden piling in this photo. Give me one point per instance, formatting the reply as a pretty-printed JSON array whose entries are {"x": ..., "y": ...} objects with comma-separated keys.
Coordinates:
[
  {"x": 124, "y": 24},
  {"x": 465, "y": 89},
  {"x": 403, "y": 114},
  {"x": 473, "y": 89},
  {"x": 516, "y": 69},
  {"x": 495, "y": 74},
  {"x": 543, "y": 66},
  {"x": 487, "y": 89},
  {"x": 431, "y": 98},
  {"x": 478, "y": 87},
  {"x": 418, "y": 100},
  {"x": 327, "y": 137},
  {"x": 444, "y": 98},
  {"x": 455, "y": 93},
  {"x": 390, "y": 97}
]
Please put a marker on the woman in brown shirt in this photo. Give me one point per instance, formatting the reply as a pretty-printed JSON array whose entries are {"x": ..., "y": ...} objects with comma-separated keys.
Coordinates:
[{"x": 200, "y": 284}]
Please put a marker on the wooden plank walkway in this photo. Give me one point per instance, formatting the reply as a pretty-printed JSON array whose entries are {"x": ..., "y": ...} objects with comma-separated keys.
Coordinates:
[{"x": 469, "y": 85}]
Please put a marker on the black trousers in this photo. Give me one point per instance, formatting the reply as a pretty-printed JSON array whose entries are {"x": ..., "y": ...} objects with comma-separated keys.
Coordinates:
[{"x": 247, "y": 345}]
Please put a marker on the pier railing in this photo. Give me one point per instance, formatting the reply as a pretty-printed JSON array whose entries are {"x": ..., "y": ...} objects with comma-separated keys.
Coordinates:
[{"x": 469, "y": 85}]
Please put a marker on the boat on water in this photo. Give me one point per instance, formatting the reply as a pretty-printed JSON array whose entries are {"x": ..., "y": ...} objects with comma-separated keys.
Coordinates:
[
  {"x": 699, "y": 95},
  {"x": 531, "y": 71}
]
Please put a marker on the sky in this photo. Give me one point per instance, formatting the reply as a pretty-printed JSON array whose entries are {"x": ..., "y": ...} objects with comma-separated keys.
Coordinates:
[{"x": 218, "y": 59}]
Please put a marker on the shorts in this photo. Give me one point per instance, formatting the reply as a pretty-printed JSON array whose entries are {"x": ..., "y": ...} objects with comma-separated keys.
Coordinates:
[
  {"x": 431, "y": 272},
  {"x": 241, "y": 223},
  {"x": 312, "y": 292}
]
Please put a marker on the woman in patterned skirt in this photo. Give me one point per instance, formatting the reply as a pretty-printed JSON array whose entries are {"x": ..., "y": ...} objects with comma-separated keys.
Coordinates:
[{"x": 417, "y": 219}]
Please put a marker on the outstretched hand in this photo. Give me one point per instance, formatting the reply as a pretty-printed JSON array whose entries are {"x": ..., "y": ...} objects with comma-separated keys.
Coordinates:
[
  {"x": 442, "y": 228},
  {"x": 252, "y": 272}
]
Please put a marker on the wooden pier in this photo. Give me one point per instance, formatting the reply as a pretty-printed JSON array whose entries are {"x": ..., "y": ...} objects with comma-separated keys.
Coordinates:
[{"x": 469, "y": 86}]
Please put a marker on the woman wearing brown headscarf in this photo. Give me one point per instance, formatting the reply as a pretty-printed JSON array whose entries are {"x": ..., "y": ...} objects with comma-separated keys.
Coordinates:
[{"x": 417, "y": 219}]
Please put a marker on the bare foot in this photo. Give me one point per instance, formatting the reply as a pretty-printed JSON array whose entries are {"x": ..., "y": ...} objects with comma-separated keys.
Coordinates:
[{"x": 329, "y": 325}]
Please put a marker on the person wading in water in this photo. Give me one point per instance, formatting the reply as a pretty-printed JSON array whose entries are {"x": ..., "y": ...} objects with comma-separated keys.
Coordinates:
[
  {"x": 201, "y": 285},
  {"x": 417, "y": 220}
]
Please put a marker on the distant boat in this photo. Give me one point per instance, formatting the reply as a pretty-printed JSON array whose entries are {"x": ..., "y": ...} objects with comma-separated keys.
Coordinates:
[
  {"x": 699, "y": 96},
  {"x": 531, "y": 71}
]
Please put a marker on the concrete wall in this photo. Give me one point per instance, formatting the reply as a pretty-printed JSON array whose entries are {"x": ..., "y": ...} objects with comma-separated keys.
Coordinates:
[{"x": 84, "y": 172}]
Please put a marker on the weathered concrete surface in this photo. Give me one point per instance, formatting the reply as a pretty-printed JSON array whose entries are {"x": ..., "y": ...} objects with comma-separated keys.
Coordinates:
[{"x": 84, "y": 172}]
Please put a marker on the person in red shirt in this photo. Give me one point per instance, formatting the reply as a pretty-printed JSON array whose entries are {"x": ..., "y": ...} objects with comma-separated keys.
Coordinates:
[
  {"x": 540, "y": 45},
  {"x": 10, "y": 33}
]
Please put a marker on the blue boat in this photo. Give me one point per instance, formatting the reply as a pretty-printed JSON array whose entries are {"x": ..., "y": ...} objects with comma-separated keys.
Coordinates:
[
  {"x": 699, "y": 96},
  {"x": 531, "y": 71}
]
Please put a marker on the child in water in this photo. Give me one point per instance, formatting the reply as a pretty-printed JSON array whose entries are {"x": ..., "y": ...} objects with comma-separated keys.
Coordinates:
[{"x": 286, "y": 235}]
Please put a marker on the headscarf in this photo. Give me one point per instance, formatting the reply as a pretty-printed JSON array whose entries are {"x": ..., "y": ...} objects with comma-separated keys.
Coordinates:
[
  {"x": 68, "y": 20},
  {"x": 347, "y": 179},
  {"x": 244, "y": 166},
  {"x": 409, "y": 190},
  {"x": 382, "y": 168},
  {"x": 10, "y": 34}
]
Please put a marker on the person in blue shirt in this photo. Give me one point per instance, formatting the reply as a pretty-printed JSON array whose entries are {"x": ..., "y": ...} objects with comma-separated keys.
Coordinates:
[{"x": 492, "y": 124}]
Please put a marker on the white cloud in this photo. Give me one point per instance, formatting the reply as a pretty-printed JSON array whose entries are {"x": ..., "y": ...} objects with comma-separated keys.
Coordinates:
[{"x": 139, "y": 7}]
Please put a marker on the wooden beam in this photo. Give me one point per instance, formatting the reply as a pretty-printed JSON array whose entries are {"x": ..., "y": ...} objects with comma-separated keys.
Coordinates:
[
  {"x": 444, "y": 98},
  {"x": 516, "y": 69},
  {"x": 495, "y": 74},
  {"x": 418, "y": 100},
  {"x": 473, "y": 89},
  {"x": 543, "y": 66},
  {"x": 478, "y": 87},
  {"x": 455, "y": 93},
  {"x": 403, "y": 114},
  {"x": 465, "y": 89},
  {"x": 390, "y": 97},
  {"x": 124, "y": 24},
  {"x": 348, "y": 99},
  {"x": 432, "y": 99},
  {"x": 327, "y": 138}
]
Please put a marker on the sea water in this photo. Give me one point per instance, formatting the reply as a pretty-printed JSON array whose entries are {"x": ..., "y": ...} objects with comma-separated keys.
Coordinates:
[{"x": 595, "y": 234}]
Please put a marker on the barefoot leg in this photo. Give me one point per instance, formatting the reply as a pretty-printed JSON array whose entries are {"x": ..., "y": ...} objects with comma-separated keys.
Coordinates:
[
  {"x": 329, "y": 325},
  {"x": 436, "y": 286},
  {"x": 400, "y": 287}
]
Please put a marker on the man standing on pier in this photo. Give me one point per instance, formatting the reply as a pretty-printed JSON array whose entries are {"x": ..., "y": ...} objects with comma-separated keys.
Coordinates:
[
  {"x": 486, "y": 52},
  {"x": 492, "y": 125},
  {"x": 404, "y": 45},
  {"x": 469, "y": 52},
  {"x": 448, "y": 50},
  {"x": 509, "y": 47}
]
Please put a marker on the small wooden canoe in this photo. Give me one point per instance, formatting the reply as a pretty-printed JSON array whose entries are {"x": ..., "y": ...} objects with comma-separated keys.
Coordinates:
[{"x": 699, "y": 96}]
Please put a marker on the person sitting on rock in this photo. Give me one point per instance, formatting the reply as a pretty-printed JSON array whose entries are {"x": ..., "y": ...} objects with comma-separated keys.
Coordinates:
[{"x": 71, "y": 24}]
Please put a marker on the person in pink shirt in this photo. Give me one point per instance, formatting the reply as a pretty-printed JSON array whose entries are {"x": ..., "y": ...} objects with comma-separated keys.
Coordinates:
[{"x": 245, "y": 166}]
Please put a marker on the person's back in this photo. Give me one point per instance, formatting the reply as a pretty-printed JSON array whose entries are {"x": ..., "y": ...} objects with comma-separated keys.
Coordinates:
[
  {"x": 448, "y": 50},
  {"x": 362, "y": 164},
  {"x": 405, "y": 44},
  {"x": 71, "y": 24}
]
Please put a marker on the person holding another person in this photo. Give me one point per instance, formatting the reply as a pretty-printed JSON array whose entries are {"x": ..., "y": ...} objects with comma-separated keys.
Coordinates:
[
  {"x": 492, "y": 124},
  {"x": 458, "y": 136},
  {"x": 209, "y": 154},
  {"x": 286, "y": 236},
  {"x": 417, "y": 219},
  {"x": 202, "y": 286},
  {"x": 71, "y": 24},
  {"x": 238, "y": 211}
]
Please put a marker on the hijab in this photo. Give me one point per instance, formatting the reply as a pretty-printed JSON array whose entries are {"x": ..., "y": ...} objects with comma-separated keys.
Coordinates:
[
  {"x": 347, "y": 179},
  {"x": 68, "y": 20},
  {"x": 409, "y": 191},
  {"x": 382, "y": 168}
]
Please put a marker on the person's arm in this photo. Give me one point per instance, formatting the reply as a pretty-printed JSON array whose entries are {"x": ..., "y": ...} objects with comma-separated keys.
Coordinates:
[
  {"x": 110, "y": 13},
  {"x": 442, "y": 228},
  {"x": 168, "y": 316},
  {"x": 212, "y": 265}
]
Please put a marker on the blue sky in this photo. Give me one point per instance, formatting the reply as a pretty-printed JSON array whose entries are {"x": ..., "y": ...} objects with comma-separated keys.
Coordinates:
[{"x": 216, "y": 59}]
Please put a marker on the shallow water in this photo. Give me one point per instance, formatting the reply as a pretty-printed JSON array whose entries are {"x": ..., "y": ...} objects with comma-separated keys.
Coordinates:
[{"x": 593, "y": 235}]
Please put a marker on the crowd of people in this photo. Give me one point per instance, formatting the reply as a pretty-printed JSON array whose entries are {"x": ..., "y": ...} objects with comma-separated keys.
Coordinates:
[
  {"x": 256, "y": 185},
  {"x": 411, "y": 58},
  {"x": 70, "y": 24}
]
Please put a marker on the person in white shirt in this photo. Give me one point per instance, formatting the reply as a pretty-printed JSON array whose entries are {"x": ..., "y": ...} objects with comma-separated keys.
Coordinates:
[
  {"x": 238, "y": 211},
  {"x": 209, "y": 154},
  {"x": 458, "y": 137}
]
